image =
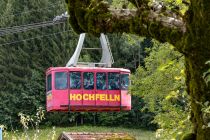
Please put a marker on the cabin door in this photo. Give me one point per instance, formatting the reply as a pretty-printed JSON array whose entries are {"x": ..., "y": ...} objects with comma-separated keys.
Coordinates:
[
  {"x": 125, "y": 97},
  {"x": 101, "y": 90},
  {"x": 60, "y": 92}
]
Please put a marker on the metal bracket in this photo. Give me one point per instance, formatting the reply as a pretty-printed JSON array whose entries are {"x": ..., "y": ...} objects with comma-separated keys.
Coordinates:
[{"x": 106, "y": 59}]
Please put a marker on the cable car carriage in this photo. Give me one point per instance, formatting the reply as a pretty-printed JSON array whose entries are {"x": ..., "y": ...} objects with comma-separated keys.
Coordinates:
[{"x": 79, "y": 88}]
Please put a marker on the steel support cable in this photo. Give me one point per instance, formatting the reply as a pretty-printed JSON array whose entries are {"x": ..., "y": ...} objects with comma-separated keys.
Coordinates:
[
  {"x": 23, "y": 28},
  {"x": 47, "y": 35},
  {"x": 62, "y": 18},
  {"x": 19, "y": 26},
  {"x": 30, "y": 11},
  {"x": 30, "y": 27}
]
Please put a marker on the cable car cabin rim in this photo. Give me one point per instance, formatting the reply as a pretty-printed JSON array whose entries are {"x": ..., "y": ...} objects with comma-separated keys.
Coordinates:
[
  {"x": 114, "y": 97},
  {"x": 86, "y": 69}
]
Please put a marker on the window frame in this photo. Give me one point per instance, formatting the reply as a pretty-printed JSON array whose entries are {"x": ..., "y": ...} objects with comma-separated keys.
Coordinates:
[
  {"x": 66, "y": 79},
  {"x": 47, "y": 86},
  {"x": 121, "y": 80},
  {"x": 105, "y": 81},
  {"x": 81, "y": 80},
  {"x": 118, "y": 79}
]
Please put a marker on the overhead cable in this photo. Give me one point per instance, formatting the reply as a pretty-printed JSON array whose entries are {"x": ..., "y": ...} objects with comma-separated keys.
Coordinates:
[
  {"x": 47, "y": 35},
  {"x": 29, "y": 11},
  {"x": 23, "y": 28}
]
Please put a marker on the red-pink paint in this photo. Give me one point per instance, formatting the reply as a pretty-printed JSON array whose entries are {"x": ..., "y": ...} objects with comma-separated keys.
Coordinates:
[{"x": 81, "y": 100}]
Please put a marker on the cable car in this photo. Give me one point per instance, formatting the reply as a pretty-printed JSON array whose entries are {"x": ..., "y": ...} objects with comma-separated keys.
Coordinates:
[{"x": 88, "y": 88}]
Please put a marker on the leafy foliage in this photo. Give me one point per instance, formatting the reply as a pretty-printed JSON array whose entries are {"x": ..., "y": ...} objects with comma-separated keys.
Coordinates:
[
  {"x": 23, "y": 63},
  {"x": 162, "y": 84},
  {"x": 206, "y": 75}
]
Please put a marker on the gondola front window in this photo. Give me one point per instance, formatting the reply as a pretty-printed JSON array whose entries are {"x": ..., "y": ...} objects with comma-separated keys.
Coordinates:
[
  {"x": 61, "y": 80},
  {"x": 114, "y": 81},
  {"x": 124, "y": 81},
  {"x": 49, "y": 82},
  {"x": 75, "y": 80},
  {"x": 101, "y": 81},
  {"x": 88, "y": 80}
]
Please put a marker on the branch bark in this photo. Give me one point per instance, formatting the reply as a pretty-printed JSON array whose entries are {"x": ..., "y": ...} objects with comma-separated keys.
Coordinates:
[{"x": 98, "y": 18}]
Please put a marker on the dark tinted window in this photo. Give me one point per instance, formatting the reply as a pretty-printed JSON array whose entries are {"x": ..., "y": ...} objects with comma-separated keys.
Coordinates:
[
  {"x": 101, "y": 80},
  {"x": 75, "y": 80},
  {"x": 60, "y": 80},
  {"x": 124, "y": 81},
  {"x": 88, "y": 80},
  {"x": 114, "y": 80},
  {"x": 49, "y": 82}
]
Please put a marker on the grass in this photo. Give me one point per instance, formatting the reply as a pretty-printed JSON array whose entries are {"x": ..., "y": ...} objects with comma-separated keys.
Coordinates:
[{"x": 49, "y": 133}]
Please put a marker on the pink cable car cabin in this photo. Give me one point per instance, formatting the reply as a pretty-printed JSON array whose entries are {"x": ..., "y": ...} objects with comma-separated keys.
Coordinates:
[
  {"x": 77, "y": 88},
  {"x": 87, "y": 89}
]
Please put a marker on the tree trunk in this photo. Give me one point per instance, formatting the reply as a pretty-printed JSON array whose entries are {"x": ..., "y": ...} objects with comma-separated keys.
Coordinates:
[
  {"x": 94, "y": 118},
  {"x": 199, "y": 94},
  {"x": 81, "y": 120},
  {"x": 196, "y": 48}
]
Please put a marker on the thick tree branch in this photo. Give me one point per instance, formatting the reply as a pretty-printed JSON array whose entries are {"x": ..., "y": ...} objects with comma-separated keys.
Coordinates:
[
  {"x": 139, "y": 3},
  {"x": 98, "y": 18}
]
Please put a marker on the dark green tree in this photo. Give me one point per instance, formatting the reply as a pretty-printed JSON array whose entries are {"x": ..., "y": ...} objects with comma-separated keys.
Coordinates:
[{"x": 23, "y": 63}]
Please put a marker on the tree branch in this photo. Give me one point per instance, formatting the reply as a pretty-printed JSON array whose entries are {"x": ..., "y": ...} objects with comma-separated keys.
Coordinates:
[
  {"x": 145, "y": 22},
  {"x": 138, "y": 3}
]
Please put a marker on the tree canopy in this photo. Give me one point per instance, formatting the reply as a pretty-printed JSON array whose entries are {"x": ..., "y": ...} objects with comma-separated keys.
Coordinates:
[{"x": 146, "y": 19}]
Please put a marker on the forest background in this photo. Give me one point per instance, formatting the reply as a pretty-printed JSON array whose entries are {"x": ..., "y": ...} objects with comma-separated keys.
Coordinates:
[{"x": 159, "y": 98}]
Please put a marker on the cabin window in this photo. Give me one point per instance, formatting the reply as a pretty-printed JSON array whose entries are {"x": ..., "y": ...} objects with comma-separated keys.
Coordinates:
[
  {"x": 75, "y": 80},
  {"x": 101, "y": 81},
  {"x": 49, "y": 82},
  {"x": 124, "y": 81},
  {"x": 114, "y": 81},
  {"x": 88, "y": 80},
  {"x": 60, "y": 80}
]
